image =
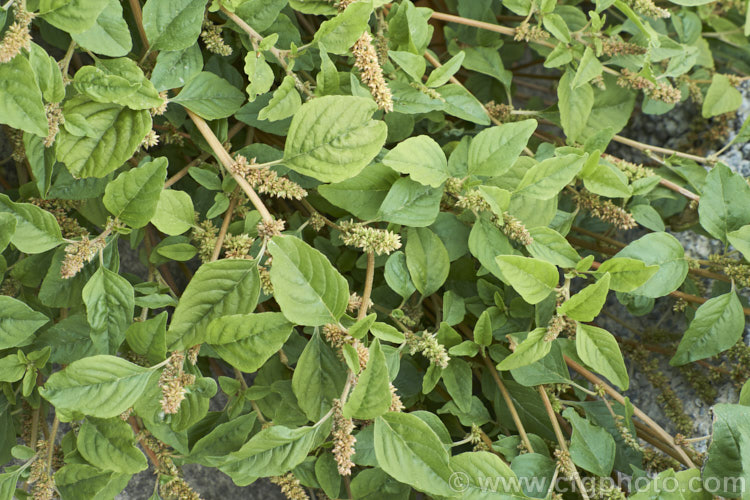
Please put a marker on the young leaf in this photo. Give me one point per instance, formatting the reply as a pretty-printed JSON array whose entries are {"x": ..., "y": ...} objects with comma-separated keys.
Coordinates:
[
  {"x": 309, "y": 290},
  {"x": 421, "y": 158},
  {"x": 494, "y": 150},
  {"x": 148, "y": 338},
  {"x": 284, "y": 103},
  {"x": 410, "y": 451},
  {"x": 718, "y": 324},
  {"x": 36, "y": 230},
  {"x": 546, "y": 179},
  {"x": 173, "y": 24},
  {"x": 246, "y": 341},
  {"x": 219, "y": 288},
  {"x": 109, "y": 300},
  {"x": 591, "y": 448},
  {"x": 598, "y": 349},
  {"x": 531, "y": 278},
  {"x": 342, "y": 31},
  {"x": 100, "y": 386},
  {"x": 109, "y": 36},
  {"x": 109, "y": 445},
  {"x": 174, "y": 212},
  {"x": 427, "y": 260},
  {"x": 371, "y": 396},
  {"x": 483, "y": 329},
  {"x": 318, "y": 379},
  {"x": 441, "y": 75},
  {"x": 550, "y": 246},
  {"x": 133, "y": 195},
  {"x": 210, "y": 96},
  {"x": 332, "y": 138},
  {"x": 411, "y": 203},
  {"x": 397, "y": 275},
  {"x": 586, "y": 304},
  {"x": 531, "y": 350},
  {"x": 18, "y": 322}
]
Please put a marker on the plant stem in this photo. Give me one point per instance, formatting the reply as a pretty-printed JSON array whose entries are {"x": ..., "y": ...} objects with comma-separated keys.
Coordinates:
[
  {"x": 656, "y": 149},
  {"x": 684, "y": 458},
  {"x": 135, "y": 6},
  {"x": 51, "y": 442},
  {"x": 368, "y": 286},
  {"x": 225, "y": 225},
  {"x": 149, "y": 452},
  {"x": 561, "y": 439},
  {"x": 227, "y": 162}
]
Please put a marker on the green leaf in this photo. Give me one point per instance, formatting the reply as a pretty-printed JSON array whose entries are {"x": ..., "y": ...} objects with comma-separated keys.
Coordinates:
[
  {"x": 607, "y": 180},
  {"x": 309, "y": 290},
  {"x": 109, "y": 300},
  {"x": 588, "y": 69},
  {"x": 718, "y": 209},
  {"x": 219, "y": 288},
  {"x": 36, "y": 230},
  {"x": 374, "y": 484},
  {"x": 109, "y": 36},
  {"x": 662, "y": 250},
  {"x": 545, "y": 180},
  {"x": 575, "y": 106},
  {"x": 442, "y": 74},
  {"x": 77, "y": 480},
  {"x": 273, "y": 451},
  {"x": 318, "y": 379},
  {"x": 531, "y": 350},
  {"x": 103, "y": 87},
  {"x": 148, "y": 338},
  {"x": 486, "y": 60},
  {"x": 363, "y": 194},
  {"x": 18, "y": 322},
  {"x": 174, "y": 212},
  {"x": 118, "y": 132},
  {"x": 284, "y": 103},
  {"x": 371, "y": 396},
  {"x": 332, "y": 138},
  {"x": 486, "y": 241},
  {"x": 410, "y": 451},
  {"x": 484, "y": 476},
  {"x": 683, "y": 485},
  {"x": 721, "y": 97},
  {"x": 386, "y": 333},
  {"x": 626, "y": 274},
  {"x": 210, "y": 96},
  {"x": 213, "y": 448},
  {"x": 100, "y": 386},
  {"x": 457, "y": 378},
  {"x": 718, "y": 325},
  {"x": 397, "y": 275},
  {"x": 413, "y": 64},
  {"x": 339, "y": 33},
  {"x": 555, "y": 24},
  {"x": 494, "y": 150},
  {"x": 411, "y": 203},
  {"x": 533, "y": 279},
  {"x": 327, "y": 474},
  {"x": 483, "y": 329},
  {"x": 259, "y": 74},
  {"x": 110, "y": 445},
  {"x": 420, "y": 157},
  {"x": 461, "y": 103},
  {"x": 47, "y": 73},
  {"x": 21, "y": 105},
  {"x": 599, "y": 350},
  {"x": 11, "y": 368},
  {"x": 727, "y": 468},
  {"x": 591, "y": 447},
  {"x": 133, "y": 195},
  {"x": 247, "y": 341},
  {"x": 586, "y": 304},
  {"x": 176, "y": 67},
  {"x": 739, "y": 239},
  {"x": 427, "y": 260},
  {"x": 172, "y": 24},
  {"x": 550, "y": 246}
]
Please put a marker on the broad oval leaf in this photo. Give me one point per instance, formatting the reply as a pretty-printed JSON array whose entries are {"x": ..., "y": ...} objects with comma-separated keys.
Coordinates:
[
  {"x": 598, "y": 349},
  {"x": 421, "y": 158},
  {"x": 133, "y": 195},
  {"x": 21, "y": 105},
  {"x": 427, "y": 260},
  {"x": 533, "y": 279},
  {"x": 371, "y": 396},
  {"x": 332, "y": 138},
  {"x": 110, "y": 445},
  {"x": 18, "y": 322},
  {"x": 309, "y": 290},
  {"x": 665, "y": 251},
  {"x": 210, "y": 96},
  {"x": 36, "y": 230},
  {"x": 173, "y": 24}
]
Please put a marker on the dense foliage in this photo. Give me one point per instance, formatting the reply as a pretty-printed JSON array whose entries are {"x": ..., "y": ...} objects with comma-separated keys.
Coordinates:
[{"x": 375, "y": 240}]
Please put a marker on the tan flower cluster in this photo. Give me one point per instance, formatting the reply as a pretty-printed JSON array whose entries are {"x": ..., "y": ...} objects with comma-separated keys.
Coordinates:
[
  {"x": 316, "y": 221},
  {"x": 648, "y": 8},
  {"x": 41, "y": 475},
  {"x": 370, "y": 72},
  {"x": 662, "y": 91},
  {"x": 527, "y": 33},
  {"x": 500, "y": 112},
  {"x": 428, "y": 345},
  {"x": 473, "y": 200},
  {"x": 268, "y": 230},
  {"x": 178, "y": 489},
  {"x": 205, "y": 234},
  {"x": 355, "y": 302},
  {"x": 337, "y": 336},
  {"x": 192, "y": 354},
  {"x": 396, "y": 403},
  {"x": 290, "y": 486},
  {"x": 266, "y": 181},
  {"x": 18, "y": 35},
  {"x": 343, "y": 441},
  {"x": 615, "y": 47},
  {"x": 159, "y": 110},
  {"x": 54, "y": 120},
  {"x": 265, "y": 278},
  {"x": 454, "y": 185},
  {"x": 237, "y": 246},
  {"x": 173, "y": 381},
  {"x": 516, "y": 230},
  {"x": 369, "y": 239},
  {"x": 565, "y": 463},
  {"x": 632, "y": 170},
  {"x": 605, "y": 210},
  {"x": 80, "y": 253},
  {"x": 61, "y": 209},
  {"x": 211, "y": 36},
  {"x": 150, "y": 140}
]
